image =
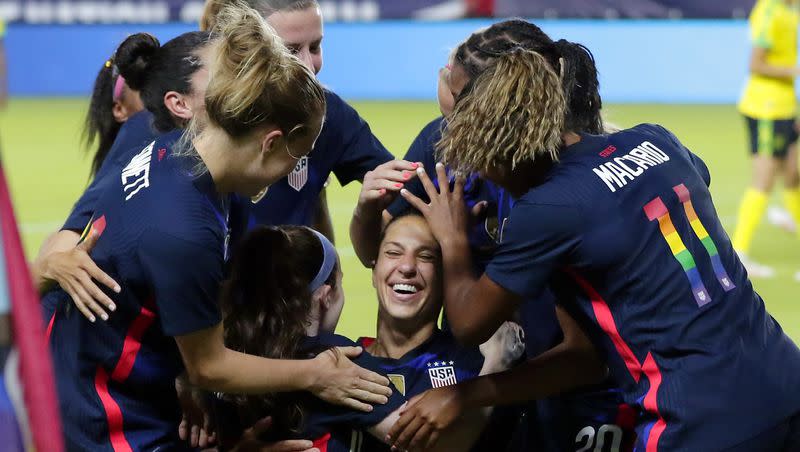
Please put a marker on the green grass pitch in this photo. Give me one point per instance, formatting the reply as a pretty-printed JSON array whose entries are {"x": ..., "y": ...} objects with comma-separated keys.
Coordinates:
[{"x": 47, "y": 170}]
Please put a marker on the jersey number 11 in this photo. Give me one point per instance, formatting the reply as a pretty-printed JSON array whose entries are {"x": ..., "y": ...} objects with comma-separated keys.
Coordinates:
[{"x": 656, "y": 210}]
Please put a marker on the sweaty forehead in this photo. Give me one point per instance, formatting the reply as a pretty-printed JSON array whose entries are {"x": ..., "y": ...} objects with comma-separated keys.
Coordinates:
[{"x": 298, "y": 27}]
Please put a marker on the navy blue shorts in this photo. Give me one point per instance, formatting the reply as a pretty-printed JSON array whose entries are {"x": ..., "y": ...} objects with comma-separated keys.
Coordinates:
[{"x": 771, "y": 136}]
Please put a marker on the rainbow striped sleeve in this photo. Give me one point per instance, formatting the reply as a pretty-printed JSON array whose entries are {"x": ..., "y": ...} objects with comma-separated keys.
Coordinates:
[
  {"x": 702, "y": 234},
  {"x": 656, "y": 210}
]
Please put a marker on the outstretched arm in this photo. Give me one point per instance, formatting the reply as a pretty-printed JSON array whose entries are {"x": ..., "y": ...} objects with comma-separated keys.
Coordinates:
[
  {"x": 571, "y": 364},
  {"x": 330, "y": 376}
]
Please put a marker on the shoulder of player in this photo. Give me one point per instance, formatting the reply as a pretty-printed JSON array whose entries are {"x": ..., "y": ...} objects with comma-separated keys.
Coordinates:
[{"x": 336, "y": 109}]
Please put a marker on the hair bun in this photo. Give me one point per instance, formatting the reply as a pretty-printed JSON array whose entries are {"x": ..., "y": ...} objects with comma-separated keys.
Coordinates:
[{"x": 133, "y": 57}]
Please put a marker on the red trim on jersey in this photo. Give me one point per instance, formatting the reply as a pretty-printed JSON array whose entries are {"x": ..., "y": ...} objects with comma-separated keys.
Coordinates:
[
  {"x": 99, "y": 225},
  {"x": 626, "y": 420},
  {"x": 322, "y": 443},
  {"x": 133, "y": 343},
  {"x": 607, "y": 323},
  {"x": 50, "y": 326},
  {"x": 113, "y": 412},
  {"x": 653, "y": 374},
  {"x": 365, "y": 341}
]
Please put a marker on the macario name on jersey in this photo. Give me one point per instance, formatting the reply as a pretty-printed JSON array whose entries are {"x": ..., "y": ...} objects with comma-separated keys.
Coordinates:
[{"x": 623, "y": 169}]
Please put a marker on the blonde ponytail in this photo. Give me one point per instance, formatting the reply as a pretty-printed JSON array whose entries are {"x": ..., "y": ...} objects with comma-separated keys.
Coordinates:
[
  {"x": 514, "y": 112},
  {"x": 255, "y": 81}
]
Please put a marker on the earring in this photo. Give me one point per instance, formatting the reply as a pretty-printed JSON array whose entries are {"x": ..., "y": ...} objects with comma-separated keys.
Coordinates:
[
  {"x": 290, "y": 152},
  {"x": 257, "y": 198}
]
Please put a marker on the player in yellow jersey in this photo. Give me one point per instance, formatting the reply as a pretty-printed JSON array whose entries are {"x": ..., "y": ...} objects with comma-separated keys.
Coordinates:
[{"x": 770, "y": 108}]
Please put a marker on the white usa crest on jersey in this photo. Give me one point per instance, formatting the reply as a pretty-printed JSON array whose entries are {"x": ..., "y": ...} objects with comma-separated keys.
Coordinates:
[
  {"x": 299, "y": 176},
  {"x": 442, "y": 374}
]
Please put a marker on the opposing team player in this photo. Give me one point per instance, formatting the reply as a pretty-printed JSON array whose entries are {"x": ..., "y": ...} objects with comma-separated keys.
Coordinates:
[
  {"x": 171, "y": 79},
  {"x": 555, "y": 424},
  {"x": 769, "y": 106},
  {"x": 346, "y": 147},
  {"x": 623, "y": 226},
  {"x": 163, "y": 233}
]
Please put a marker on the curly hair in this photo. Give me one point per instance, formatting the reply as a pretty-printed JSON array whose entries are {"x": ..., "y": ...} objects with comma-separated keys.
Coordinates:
[
  {"x": 514, "y": 112},
  {"x": 502, "y": 43}
]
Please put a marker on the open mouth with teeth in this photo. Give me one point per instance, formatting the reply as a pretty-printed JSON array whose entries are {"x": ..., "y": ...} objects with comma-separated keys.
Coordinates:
[{"x": 404, "y": 289}]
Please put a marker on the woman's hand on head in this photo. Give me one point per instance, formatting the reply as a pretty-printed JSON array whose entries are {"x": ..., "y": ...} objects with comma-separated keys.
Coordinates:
[
  {"x": 339, "y": 381},
  {"x": 382, "y": 184},
  {"x": 447, "y": 212},
  {"x": 76, "y": 273}
]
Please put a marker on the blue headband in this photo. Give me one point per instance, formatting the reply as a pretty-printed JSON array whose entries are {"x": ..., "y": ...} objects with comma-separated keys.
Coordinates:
[{"x": 328, "y": 261}]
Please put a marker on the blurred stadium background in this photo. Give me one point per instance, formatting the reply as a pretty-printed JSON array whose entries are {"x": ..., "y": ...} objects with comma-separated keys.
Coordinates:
[{"x": 680, "y": 63}]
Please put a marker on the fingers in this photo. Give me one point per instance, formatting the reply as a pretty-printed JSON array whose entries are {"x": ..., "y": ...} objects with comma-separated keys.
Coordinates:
[
  {"x": 350, "y": 352},
  {"x": 292, "y": 445},
  {"x": 414, "y": 200},
  {"x": 421, "y": 437},
  {"x": 357, "y": 405},
  {"x": 261, "y": 426},
  {"x": 195, "y": 435},
  {"x": 374, "y": 382},
  {"x": 85, "y": 303},
  {"x": 89, "y": 242},
  {"x": 368, "y": 397},
  {"x": 441, "y": 177},
  {"x": 405, "y": 436},
  {"x": 96, "y": 294},
  {"x": 430, "y": 189},
  {"x": 479, "y": 209},
  {"x": 183, "y": 429},
  {"x": 458, "y": 187},
  {"x": 432, "y": 440},
  {"x": 79, "y": 304},
  {"x": 100, "y": 276},
  {"x": 202, "y": 441},
  {"x": 399, "y": 426}
]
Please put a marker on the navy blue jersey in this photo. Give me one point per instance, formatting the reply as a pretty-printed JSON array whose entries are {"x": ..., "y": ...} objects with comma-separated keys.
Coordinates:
[
  {"x": 439, "y": 361},
  {"x": 554, "y": 423},
  {"x": 624, "y": 224},
  {"x": 134, "y": 134},
  {"x": 346, "y": 147},
  {"x": 327, "y": 425},
  {"x": 538, "y": 319},
  {"x": 116, "y": 379}
]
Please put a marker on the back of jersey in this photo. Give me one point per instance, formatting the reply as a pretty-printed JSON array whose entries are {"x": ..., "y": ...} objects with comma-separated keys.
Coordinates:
[{"x": 650, "y": 263}]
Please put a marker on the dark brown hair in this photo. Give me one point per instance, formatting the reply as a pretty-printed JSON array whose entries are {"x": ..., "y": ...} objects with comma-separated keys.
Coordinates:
[{"x": 266, "y": 303}]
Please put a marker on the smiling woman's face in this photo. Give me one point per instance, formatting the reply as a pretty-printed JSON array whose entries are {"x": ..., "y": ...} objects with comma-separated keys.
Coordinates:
[{"x": 407, "y": 273}]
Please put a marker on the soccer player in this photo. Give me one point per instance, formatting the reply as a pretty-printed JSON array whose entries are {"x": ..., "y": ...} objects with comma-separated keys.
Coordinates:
[
  {"x": 557, "y": 424},
  {"x": 164, "y": 233},
  {"x": 770, "y": 108},
  {"x": 410, "y": 348},
  {"x": 172, "y": 81},
  {"x": 346, "y": 147},
  {"x": 622, "y": 227},
  {"x": 290, "y": 306},
  {"x": 113, "y": 102}
]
